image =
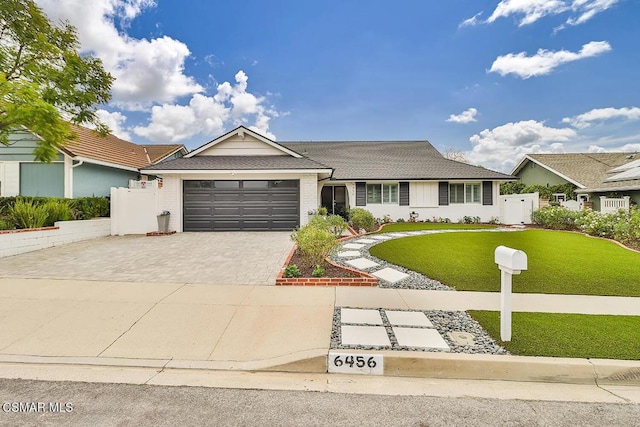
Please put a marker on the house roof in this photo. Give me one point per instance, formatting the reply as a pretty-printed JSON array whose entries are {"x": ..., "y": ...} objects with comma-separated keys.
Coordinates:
[
  {"x": 158, "y": 152},
  {"x": 589, "y": 171},
  {"x": 370, "y": 160},
  {"x": 241, "y": 131},
  {"x": 116, "y": 152},
  {"x": 231, "y": 163}
]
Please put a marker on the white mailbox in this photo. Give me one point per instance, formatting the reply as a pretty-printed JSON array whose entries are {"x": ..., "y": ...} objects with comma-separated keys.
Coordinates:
[{"x": 511, "y": 260}]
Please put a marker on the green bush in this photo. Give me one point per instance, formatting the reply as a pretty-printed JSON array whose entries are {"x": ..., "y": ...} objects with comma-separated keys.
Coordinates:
[
  {"x": 57, "y": 210},
  {"x": 27, "y": 214},
  {"x": 318, "y": 271},
  {"x": 89, "y": 207},
  {"x": 362, "y": 219},
  {"x": 292, "y": 271},
  {"x": 333, "y": 223},
  {"x": 555, "y": 218},
  {"x": 622, "y": 225},
  {"x": 315, "y": 243},
  {"x": 322, "y": 211}
]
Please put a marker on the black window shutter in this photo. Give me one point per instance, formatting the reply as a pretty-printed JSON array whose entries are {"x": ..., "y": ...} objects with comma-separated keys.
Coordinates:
[
  {"x": 487, "y": 193},
  {"x": 443, "y": 193},
  {"x": 361, "y": 194},
  {"x": 404, "y": 194}
]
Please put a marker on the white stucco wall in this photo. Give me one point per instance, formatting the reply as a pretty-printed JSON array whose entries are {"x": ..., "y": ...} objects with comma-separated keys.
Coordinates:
[
  {"x": 10, "y": 179},
  {"x": 423, "y": 199}
]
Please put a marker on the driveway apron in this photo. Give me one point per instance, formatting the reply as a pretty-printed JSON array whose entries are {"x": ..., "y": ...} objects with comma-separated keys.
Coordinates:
[{"x": 228, "y": 258}]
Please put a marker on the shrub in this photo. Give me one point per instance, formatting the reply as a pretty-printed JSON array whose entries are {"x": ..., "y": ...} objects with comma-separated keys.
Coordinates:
[
  {"x": 314, "y": 242},
  {"x": 386, "y": 219},
  {"x": 555, "y": 218},
  {"x": 470, "y": 219},
  {"x": 322, "y": 211},
  {"x": 362, "y": 219},
  {"x": 27, "y": 214},
  {"x": 292, "y": 271},
  {"x": 337, "y": 225},
  {"x": 89, "y": 207},
  {"x": 400, "y": 220},
  {"x": 57, "y": 210},
  {"x": 318, "y": 271}
]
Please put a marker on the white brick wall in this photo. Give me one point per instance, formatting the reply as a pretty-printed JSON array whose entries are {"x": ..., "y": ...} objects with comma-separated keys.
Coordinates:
[
  {"x": 308, "y": 196},
  {"x": 67, "y": 232}
]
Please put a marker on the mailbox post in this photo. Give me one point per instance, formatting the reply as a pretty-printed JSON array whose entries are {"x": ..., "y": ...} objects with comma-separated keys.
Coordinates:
[{"x": 510, "y": 261}]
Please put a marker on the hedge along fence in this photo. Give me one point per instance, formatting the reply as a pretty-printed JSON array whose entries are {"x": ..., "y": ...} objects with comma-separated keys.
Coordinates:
[
  {"x": 623, "y": 225},
  {"x": 22, "y": 212}
]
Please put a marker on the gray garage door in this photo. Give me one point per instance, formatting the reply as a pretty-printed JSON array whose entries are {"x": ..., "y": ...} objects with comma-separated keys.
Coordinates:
[{"x": 241, "y": 205}]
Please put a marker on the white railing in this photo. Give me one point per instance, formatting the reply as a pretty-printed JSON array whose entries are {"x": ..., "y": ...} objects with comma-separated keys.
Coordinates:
[
  {"x": 143, "y": 185},
  {"x": 608, "y": 205}
]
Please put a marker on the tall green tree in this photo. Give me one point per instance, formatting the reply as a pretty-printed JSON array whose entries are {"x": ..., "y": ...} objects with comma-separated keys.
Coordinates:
[{"x": 45, "y": 83}]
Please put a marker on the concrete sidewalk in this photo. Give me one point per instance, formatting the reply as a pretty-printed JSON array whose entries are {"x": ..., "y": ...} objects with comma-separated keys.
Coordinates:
[{"x": 188, "y": 326}]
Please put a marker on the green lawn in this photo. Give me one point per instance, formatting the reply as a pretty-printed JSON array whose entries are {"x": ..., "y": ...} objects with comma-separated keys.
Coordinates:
[
  {"x": 414, "y": 226},
  {"x": 559, "y": 262},
  {"x": 567, "y": 335}
]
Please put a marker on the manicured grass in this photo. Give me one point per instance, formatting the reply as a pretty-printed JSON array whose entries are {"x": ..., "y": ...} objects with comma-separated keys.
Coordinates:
[
  {"x": 559, "y": 262},
  {"x": 567, "y": 335},
  {"x": 414, "y": 226}
]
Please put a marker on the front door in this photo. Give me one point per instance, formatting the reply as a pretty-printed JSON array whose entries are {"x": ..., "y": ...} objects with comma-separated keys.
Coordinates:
[{"x": 334, "y": 198}]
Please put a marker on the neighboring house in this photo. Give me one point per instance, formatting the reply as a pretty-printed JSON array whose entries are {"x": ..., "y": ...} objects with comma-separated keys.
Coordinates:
[
  {"x": 245, "y": 181},
  {"x": 87, "y": 166},
  {"x": 594, "y": 174}
]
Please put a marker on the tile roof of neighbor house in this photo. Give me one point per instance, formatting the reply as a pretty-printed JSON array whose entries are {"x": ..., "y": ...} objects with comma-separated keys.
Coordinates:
[
  {"x": 589, "y": 169},
  {"x": 157, "y": 152},
  {"x": 111, "y": 149},
  {"x": 237, "y": 163},
  {"x": 410, "y": 160}
]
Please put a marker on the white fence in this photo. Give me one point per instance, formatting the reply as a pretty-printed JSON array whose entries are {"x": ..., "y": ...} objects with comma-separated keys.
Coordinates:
[
  {"x": 608, "y": 205},
  {"x": 14, "y": 242},
  {"x": 517, "y": 208},
  {"x": 134, "y": 211}
]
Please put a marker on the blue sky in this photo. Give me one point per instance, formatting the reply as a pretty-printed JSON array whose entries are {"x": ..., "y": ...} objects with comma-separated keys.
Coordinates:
[{"x": 492, "y": 79}]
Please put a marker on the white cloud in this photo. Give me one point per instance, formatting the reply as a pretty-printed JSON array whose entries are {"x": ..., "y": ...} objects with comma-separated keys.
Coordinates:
[
  {"x": 585, "y": 120},
  {"x": 470, "y": 22},
  {"x": 587, "y": 9},
  {"x": 596, "y": 149},
  {"x": 115, "y": 121},
  {"x": 467, "y": 116},
  {"x": 209, "y": 115},
  {"x": 544, "y": 61},
  {"x": 502, "y": 147},
  {"x": 146, "y": 71},
  {"x": 530, "y": 11}
]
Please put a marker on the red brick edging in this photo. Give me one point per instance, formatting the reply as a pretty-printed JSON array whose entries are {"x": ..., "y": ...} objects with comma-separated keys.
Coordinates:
[
  {"x": 363, "y": 279},
  {"x": 27, "y": 230}
]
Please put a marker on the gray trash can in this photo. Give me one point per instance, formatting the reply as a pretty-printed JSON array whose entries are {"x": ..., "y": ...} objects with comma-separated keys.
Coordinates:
[{"x": 163, "y": 222}]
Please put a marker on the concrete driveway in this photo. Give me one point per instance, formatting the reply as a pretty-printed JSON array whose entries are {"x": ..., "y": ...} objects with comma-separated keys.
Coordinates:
[{"x": 238, "y": 258}]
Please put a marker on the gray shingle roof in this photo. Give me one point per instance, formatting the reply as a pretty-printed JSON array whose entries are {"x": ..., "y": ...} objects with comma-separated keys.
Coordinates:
[
  {"x": 589, "y": 169},
  {"x": 369, "y": 160},
  {"x": 237, "y": 163}
]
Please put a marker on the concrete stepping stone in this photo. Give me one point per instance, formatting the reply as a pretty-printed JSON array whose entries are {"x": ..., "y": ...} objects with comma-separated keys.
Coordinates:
[
  {"x": 365, "y": 335},
  {"x": 360, "y": 315},
  {"x": 414, "y": 233},
  {"x": 379, "y": 237},
  {"x": 398, "y": 234},
  {"x": 419, "y": 337},
  {"x": 366, "y": 241},
  {"x": 362, "y": 263},
  {"x": 347, "y": 254},
  {"x": 408, "y": 318},
  {"x": 390, "y": 275},
  {"x": 352, "y": 246}
]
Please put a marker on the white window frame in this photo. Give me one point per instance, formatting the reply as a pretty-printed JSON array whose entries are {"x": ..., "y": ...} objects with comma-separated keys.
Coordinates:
[
  {"x": 465, "y": 186},
  {"x": 387, "y": 196}
]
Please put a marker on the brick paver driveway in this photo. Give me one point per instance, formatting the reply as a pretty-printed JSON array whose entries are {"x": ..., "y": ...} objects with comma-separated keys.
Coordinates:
[{"x": 245, "y": 258}]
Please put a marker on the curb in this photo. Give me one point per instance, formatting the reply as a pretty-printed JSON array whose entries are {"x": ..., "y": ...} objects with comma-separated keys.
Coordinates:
[{"x": 396, "y": 364}]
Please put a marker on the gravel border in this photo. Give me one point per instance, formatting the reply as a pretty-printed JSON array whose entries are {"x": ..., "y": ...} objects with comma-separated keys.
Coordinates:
[{"x": 443, "y": 322}]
